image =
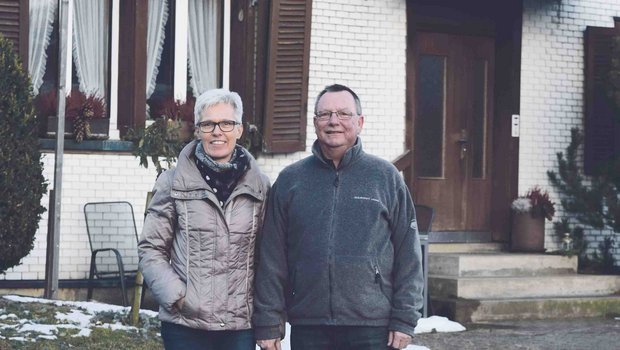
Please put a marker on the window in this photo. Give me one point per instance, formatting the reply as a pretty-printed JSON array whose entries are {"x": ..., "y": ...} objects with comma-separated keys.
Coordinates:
[
  {"x": 90, "y": 41},
  {"x": 194, "y": 26},
  {"x": 264, "y": 56}
]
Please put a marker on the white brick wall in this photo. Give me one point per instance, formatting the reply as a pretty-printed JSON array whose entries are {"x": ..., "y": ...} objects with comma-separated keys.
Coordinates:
[
  {"x": 362, "y": 44},
  {"x": 552, "y": 85},
  {"x": 86, "y": 178},
  {"x": 359, "y": 43}
]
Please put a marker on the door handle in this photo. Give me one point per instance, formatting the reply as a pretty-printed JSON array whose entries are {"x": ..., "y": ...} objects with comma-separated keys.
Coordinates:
[{"x": 463, "y": 143}]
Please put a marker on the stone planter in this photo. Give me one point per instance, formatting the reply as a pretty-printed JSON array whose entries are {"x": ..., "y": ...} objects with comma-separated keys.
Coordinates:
[
  {"x": 528, "y": 233},
  {"x": 99, "y": 128},
  {"x": 52, "y": 126}
]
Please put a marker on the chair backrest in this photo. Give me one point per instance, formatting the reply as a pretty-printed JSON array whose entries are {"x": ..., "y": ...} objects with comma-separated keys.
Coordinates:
[
  {"x": 424, "y": 216},
  {"x": 112, "y": 225}
]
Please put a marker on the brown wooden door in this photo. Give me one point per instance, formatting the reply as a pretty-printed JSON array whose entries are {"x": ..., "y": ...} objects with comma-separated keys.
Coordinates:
[{"x": 452, "y": 129}]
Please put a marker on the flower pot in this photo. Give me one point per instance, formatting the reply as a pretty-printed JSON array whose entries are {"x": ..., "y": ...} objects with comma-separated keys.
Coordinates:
[
  {"x": 528, "y": 233},
  {"x": 52, "y": 126},
  {"x": 99, "y": 129}
]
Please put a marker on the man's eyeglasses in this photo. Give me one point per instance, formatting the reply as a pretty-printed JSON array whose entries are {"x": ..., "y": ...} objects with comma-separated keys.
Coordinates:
[
  {"x": 326, "y": 115},
  {"x": 225, "y": 125}
]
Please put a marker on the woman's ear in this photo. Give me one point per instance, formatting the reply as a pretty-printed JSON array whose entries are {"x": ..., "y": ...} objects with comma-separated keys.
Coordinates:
[{"x": 239, "y": 130}]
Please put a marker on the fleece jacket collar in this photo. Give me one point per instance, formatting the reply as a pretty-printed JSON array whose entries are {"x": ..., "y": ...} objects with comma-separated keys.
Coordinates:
[{"x": 349, "y": 157}]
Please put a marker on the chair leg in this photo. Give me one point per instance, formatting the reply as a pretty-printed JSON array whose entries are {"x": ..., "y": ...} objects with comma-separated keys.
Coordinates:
[
  {"x": 124, "y": 289},
  {"x": 425, "y": 274},
  {"x": 91, "y": 276}
]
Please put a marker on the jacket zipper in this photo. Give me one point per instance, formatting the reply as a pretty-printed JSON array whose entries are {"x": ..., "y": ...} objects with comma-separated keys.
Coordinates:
[
  {"x": 379, "y": 281},
  {"x": 187, "y": 253},
  {"x": 247, "y": 264},
  {"x": 331, "y": 247}
]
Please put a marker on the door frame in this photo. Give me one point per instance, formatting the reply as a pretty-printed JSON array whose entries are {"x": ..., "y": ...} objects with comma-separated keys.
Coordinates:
[{"x": 503, "y": 22}]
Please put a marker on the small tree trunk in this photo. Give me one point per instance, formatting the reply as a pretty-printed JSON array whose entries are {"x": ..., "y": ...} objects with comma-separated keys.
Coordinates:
[{"x": 137, "y": 296}]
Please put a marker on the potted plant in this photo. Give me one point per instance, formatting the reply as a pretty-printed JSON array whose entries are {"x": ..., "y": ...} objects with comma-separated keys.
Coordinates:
[
  {"x": 85, "y": 115},
  {"x": 89, "y": 116},
  {"x": 179, "y": 111},
  {"x": 158, "y": 140},
  {"x": 528, "y": 220}
]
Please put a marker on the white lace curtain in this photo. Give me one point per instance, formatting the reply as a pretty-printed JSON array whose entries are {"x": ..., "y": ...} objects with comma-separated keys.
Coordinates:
[
  {"x": 42, "y": 13},
  {"x": 157, "y": 18},
  {"x": 204, "y": 48},
  {"x": 90, "y": 45}
]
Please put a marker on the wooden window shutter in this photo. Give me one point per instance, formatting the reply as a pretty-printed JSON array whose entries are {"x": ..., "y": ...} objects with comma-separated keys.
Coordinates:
[
  {"x": 286, "y": 100},
  {"x": 602, "y": 122},
  {"x": 14, "y": 25}
]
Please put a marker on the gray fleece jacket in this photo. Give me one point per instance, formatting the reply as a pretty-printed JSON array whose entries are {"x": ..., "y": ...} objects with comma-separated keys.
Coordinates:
[{"x": 339, "y": 247}]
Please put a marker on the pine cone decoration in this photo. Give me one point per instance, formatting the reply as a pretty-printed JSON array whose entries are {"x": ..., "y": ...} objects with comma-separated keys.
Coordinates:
[{"x": 79, "y": 128}]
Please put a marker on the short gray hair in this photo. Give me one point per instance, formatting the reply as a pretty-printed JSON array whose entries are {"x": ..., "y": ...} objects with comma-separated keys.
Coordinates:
[{"x": 215, "y": 96}]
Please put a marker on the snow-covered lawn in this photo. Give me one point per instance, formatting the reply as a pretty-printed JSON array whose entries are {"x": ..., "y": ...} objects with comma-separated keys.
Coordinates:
[{"x": 81, "y": 318}]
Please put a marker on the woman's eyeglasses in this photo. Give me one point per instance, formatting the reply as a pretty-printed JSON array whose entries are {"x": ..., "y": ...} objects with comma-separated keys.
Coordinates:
[{"x": 225, "y": 125}]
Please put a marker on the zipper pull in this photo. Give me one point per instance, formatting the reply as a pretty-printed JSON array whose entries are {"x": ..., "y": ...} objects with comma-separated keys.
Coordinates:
[
  {"x": 377, "y": 275},
  {"x": 337, "y": 180}
]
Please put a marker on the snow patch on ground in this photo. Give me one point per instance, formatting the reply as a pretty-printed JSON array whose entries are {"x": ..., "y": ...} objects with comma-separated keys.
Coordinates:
[{"x": 81, "y": 317}]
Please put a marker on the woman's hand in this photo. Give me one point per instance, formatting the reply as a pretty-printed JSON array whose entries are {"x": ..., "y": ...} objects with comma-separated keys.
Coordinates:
[{"x": 179, "y": 304}]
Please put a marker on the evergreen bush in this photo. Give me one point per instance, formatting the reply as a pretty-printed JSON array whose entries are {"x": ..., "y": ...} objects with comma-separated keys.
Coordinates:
[
  {"x": 22, "y": 184},
  {"x": 594, "y": 203}
]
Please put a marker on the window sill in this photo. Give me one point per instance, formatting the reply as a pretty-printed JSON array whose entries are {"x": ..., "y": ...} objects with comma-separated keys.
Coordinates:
[{"x": 116, "y": 146}]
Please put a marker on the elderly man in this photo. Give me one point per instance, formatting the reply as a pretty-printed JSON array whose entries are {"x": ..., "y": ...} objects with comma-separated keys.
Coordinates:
[{"x": 340, "y": 254}]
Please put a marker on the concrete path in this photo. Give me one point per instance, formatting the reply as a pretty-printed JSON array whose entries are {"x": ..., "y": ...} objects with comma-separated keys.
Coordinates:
[{"x": 567, "y": 334}]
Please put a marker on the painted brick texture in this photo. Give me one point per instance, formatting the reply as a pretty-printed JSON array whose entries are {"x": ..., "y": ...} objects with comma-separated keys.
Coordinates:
[
  {"x": 86, "y": 178},
  {"x": 552, "y": 86}
]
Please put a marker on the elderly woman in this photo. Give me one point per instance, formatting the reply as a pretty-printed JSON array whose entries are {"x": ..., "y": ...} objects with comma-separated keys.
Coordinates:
[{"x": 197, "y": 246}]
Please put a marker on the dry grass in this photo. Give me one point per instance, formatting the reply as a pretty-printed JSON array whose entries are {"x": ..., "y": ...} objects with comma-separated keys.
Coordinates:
[{"x": 146, "y": 336}]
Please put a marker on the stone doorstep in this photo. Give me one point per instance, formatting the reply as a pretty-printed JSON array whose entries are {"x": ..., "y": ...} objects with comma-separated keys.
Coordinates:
[
  {"x": 500, "y": 264},
  {"x": 523, "y": 287},
  {"x": 464, "y": 247},
  {"x": 489, "y": 310}
]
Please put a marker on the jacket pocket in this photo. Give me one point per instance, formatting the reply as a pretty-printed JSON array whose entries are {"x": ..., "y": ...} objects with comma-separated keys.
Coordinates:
[
  {"x": 386, "y": 288},
  {"x": 360, "y": 290},
  {"x": 189, "y": 247},
  {"x": 308, "y": 291},
  {"x": 191, "y": 304}
]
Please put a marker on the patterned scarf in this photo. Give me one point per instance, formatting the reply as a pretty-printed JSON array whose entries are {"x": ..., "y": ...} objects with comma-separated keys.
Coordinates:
[{"x": 221, "y": 177}]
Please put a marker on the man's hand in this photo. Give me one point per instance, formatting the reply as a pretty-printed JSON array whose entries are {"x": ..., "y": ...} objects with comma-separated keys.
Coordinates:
[
  {"x": 269, "y": 344},
  {"x": 398, "y": 340}
]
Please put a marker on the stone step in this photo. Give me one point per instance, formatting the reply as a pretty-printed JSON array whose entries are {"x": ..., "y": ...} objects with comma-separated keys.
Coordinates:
[
  {"x": 499, "y": 264},
  {"x": 523, "y": 287},
  {"x": 465, "y": 311},
  {"x": 464, "y": 247}
]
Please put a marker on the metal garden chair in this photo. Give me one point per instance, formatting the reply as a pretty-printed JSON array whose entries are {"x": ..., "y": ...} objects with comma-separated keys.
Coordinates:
[{"x": 113, "y": 241}]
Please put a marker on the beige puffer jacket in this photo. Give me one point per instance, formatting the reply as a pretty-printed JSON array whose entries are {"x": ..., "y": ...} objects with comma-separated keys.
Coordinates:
[{"x": 191, "y": 248}]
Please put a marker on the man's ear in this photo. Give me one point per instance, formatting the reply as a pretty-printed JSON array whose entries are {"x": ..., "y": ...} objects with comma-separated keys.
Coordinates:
[{"x": 360, "y": 122}]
